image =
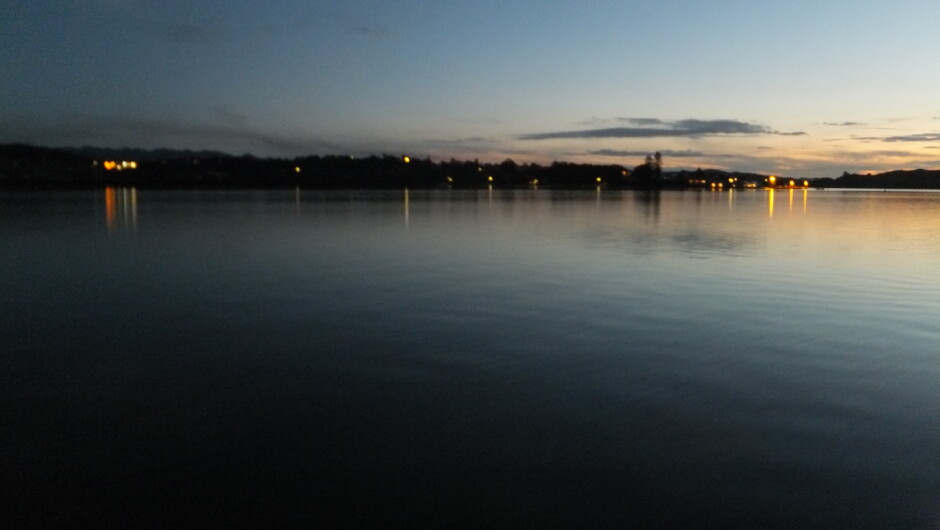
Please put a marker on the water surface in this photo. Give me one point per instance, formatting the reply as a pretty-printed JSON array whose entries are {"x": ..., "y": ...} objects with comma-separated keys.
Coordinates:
[{"x": 674, "y": 359}]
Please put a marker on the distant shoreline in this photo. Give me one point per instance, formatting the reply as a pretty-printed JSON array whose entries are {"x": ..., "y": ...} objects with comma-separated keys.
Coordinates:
[{"x": 29, "y": 167}]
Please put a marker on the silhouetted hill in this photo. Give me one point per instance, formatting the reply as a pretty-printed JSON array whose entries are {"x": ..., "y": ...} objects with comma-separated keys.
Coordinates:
[
  {"x": 906, "y": 179},
  {"x": 25, "y": 165}
]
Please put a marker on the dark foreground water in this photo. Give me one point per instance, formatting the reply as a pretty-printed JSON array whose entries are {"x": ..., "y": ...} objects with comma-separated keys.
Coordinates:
[{"x": 534, "y": 358}]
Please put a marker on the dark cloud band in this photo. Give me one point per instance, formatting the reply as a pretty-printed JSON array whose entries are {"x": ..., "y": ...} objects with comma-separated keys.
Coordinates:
[
  {"x": 673, "y": 154},
  {"x": 652, "y": 128},
  {"x": 924, "y": 137}
]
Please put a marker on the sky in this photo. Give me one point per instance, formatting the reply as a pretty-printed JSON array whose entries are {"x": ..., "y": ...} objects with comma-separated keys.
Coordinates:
[{"x": 797, "y": 88}]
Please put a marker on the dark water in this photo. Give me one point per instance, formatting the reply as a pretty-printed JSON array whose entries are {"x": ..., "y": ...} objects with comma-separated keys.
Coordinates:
[{"x": 682, "y": 359}]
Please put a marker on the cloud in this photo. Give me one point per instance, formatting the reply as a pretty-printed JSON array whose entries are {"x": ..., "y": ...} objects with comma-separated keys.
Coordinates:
[
  {"x": 844, "y": 124},
  {"x": 654, "y": 128},
  {"x": 897, "y": 154},
  {"x": 472, "y": 143},
  {"x": 643, "y": 121},
  {"x": 595, "y": 121},
  {"x": 230, "y": 135},
  {"x": 225, "y": 133},
  {"x": 685, "y": 153},
  {"x": 221, "y": 114},
  {"x": 921, "y": 137}
]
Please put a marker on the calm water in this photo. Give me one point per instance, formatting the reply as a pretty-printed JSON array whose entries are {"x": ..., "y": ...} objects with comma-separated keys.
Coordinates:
[{"x": 681, "y": 359}]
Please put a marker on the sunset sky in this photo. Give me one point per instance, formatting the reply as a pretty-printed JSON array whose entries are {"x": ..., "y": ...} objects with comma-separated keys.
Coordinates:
[{"x": 801, "y": 88}]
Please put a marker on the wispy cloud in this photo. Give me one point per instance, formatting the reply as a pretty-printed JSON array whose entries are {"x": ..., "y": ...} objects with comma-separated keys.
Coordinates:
[
  {"x": 597, "y": 122},
  {"x": 888, "y": 153},
  {"x": 230, "y": 134},
  {"x": 645, "y": 121},
  {"x": 461, "y": 141},
  {"x": 920, "y": 137},
  {"x": 273, "y": 142},
  {"x": 844, "y": 124},
  {"x": 685, "y": 153},
  {"x": 654, "y": 128}
]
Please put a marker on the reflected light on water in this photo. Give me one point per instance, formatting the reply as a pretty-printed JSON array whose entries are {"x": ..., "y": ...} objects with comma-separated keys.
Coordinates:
[
  {"x": 120, "y": 208},
  {"x": 790, "y": 195},
  {"x": 110, "y": 209},
  {"x": 407, "y": 208}
]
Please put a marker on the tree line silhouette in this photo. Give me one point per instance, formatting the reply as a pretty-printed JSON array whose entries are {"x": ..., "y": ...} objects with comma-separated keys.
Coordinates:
[{"x": 27, "y": 166}]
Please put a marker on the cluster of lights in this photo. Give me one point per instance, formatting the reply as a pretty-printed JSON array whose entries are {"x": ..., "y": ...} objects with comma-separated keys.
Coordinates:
[
  {"x": 772, "y": 181},
  {"x": 119, "y": 166}
]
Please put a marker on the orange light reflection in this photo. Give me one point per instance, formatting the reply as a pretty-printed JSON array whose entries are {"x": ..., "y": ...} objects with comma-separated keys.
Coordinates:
[
  {"x": 110, "y": 207},
  {"x": 123, "y": 201}
]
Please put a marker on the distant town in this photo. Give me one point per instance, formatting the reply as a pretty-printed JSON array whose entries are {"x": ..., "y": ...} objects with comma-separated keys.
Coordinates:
[{"x": 27, "y": 166}]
